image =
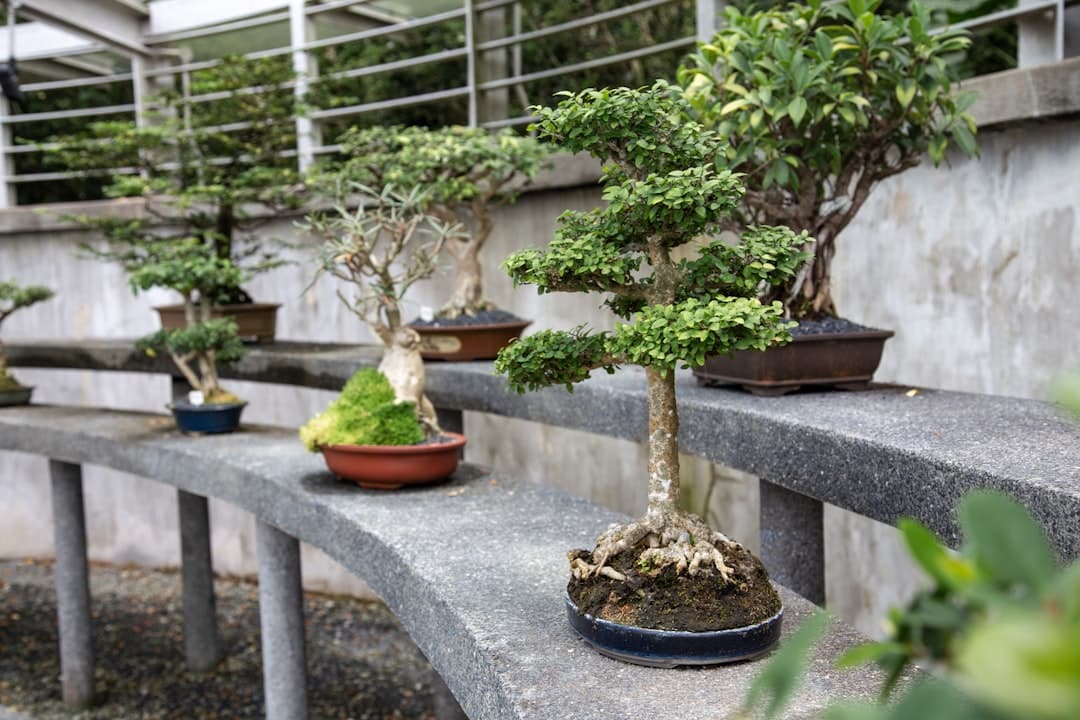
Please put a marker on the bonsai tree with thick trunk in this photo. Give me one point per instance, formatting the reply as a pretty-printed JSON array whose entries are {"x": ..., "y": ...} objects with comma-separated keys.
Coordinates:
[
  {"x": 818, "y": 105},
  {"x": 197, "y": 348},
  {"x": 208, "y": 165},
  {"x": 13, "y": 298},
  {"x": 465, "y": 173},
  {"x": 383, "y": 247},
  {"x": 663, "y": 190}
]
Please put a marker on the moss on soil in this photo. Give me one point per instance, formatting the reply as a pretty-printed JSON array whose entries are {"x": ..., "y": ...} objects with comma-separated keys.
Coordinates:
[
  {"x": 8, "y": 383},
  {"x": 671, "y": 601}
]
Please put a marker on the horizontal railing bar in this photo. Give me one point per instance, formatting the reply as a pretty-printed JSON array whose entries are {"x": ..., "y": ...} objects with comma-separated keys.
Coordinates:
[
  {"x": 388, "y": 104},
  {"x": 388, "y": 30},
  {"x": 999, "y": 18},
  {"x": 588, "y": 64},
  {"x": 77, "y": 82},
  {"x": 508, "y": 122},
  {"x": 61, "y": 114},
  {"x": 574, "y": 24},
  {"x": 395, "y": 65},
  {"x": 70, "y": 174},
  {"x": 493, "y": 4}
]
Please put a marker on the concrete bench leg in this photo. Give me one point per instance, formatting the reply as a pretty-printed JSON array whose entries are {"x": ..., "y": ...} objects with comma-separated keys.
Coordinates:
[
  {"x": 202, "y": 643},
  {"x": 72, "y": 585},
  {"x": 281, "y": 613},
  {"x": 793, "y": 540}
]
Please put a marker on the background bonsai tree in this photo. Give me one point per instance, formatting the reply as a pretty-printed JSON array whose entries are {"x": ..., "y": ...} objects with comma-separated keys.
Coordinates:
[
  {"x": 663, "y": 190},
  {"x": 13, "y": 298},
  {"x": 208, "y": 166},
  {"x": 383, "y": 248},
  {"x": 819, "y": 105},
  {"x": 185, "y": 266},
  {"x": 465, "y": 174}
]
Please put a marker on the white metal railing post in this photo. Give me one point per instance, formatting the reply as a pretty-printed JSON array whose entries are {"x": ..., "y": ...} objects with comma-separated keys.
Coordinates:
[
  {"x": 305, "y": 68},
  {"x": 705, "y": 17},
  {"x": 1041, "y": 37},
  {"x": 471, "y": 63},
  {"x": 7, "y": 188}
]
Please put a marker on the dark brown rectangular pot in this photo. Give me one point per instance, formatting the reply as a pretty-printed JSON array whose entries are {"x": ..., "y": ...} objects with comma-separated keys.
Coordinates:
[
  {"x": 255, "y": 322},
  {"x": 467, "y": 342},
  {"x": 844, "y": 360}
]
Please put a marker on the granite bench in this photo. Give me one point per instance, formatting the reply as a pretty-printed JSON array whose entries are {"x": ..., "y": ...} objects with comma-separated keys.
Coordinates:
[{"x": 474, "y": 568}]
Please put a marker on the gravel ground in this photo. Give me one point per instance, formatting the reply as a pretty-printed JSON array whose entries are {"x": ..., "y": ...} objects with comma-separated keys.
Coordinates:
[{"x": 361, "y": 663}]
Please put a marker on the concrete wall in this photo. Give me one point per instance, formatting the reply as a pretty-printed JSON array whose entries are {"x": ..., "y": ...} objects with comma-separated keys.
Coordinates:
[{"x": 976, "y": 267}]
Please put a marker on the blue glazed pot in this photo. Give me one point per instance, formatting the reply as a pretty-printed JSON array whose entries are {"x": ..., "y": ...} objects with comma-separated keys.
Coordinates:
[
  {"x": 671, "y": 648},
  {"x": 207, "y": 418}
]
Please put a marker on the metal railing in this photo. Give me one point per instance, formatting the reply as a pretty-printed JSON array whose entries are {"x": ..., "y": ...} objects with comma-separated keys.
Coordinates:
[{"x": 494, "y": 40}]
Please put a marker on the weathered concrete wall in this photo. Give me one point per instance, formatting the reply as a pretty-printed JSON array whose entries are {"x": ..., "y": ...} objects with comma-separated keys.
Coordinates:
[{"x": 975, "y": 266}]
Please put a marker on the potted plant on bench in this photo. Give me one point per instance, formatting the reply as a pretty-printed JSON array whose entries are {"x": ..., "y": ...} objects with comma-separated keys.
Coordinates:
[
  {"x": 466, "y": 175},
  {"x": 207, "y": 165},
  {"x": 819, "y": 104},
  {"x": 383, "y": 248},
  {"x": 664, "y": 589},
  {"x": 13, "y": 298},
  {"x": 193, "y": 270}
]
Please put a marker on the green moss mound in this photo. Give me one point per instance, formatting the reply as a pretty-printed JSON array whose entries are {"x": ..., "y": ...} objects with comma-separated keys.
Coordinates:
[
  {"x": 364, "y": 414},
  {"x": 8, "y": 383}
]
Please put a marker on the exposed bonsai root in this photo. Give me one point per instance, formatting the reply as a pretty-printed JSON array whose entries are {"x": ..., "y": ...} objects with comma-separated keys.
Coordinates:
[{"x": 669, "y": 539}]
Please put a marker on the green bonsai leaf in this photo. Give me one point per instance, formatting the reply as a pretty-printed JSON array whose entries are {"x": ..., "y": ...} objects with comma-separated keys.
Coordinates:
[
  {"x": 1067, "y": 392},
  {"x": 186, "y": 267},
  {"x": 554, "y": 357},
  {"x": 365, "y": 413},
  {"x": 216, "y": 336},
  {"x": 947, "y": 569},
  {"x": 15, "y": 297},
  {"x": 1007, "y": 544},
  {"x": 765, "y": 256},
  {"x": 781, "y": 676}
]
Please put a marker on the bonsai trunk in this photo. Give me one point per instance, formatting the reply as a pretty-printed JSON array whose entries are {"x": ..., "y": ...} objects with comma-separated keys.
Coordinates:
[
  {"x": 404, "y": 368},
  {"x": 663, "y": 447},
  {"x": 468, "y": 297}
]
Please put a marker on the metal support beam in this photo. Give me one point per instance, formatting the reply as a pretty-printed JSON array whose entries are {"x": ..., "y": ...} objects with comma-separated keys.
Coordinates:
[
  {"x": 306, "y": 68},
  {"x": 72, "y": 585},
  {"x": 793, "y": 540},
  {"x": 281, "y": 614},
  {"x": 120, "y": 24},
  {"x": 202, "y": 643}
]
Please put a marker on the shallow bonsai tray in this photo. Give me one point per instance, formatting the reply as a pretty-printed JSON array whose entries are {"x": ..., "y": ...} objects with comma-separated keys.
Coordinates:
[
  {"x": 207, "y": 419},
  {"x": 389, "y": 467},
  {"x": 467, "y": 342},
  {"x": 672, "y": 648},
  {"x": 844, "y": 360},
  {"x": 18, "y": 396},
  {"x": 255, "y": 322}
]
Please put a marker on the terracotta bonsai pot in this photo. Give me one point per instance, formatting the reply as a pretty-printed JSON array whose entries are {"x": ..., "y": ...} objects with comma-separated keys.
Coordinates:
[
  {"x": 671, "y": 648},
  {"x": 210, "y": 419},
  {"x": 467, "y": 342},
  {"x": 846, "y": 360},
  {"x": 389, "y": 467},
  {"x": 18, "y": 396},
  {"x": 255, "y": 322}
]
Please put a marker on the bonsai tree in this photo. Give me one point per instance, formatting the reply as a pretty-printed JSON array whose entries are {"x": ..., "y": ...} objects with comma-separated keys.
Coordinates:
[
  {"x": 465, "y": 173},
  {"x": 210, "y": 170},
  {"x": 818, "y": 105},
  {"x": 365, "y": 413},
  {"x": 663, "y": 190},
  {"x": 383, "y": 247},
  {"x": 187, "y": 267},
  {"x": 14, "y": 297}
]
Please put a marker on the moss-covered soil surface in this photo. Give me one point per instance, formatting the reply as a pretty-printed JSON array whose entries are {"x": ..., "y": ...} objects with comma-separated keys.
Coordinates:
[{"x": 673, "y": 601}]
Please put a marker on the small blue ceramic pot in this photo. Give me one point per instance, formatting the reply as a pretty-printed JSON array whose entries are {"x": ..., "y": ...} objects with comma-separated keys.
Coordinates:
[
  {"x": 19, "y": 396},
  {"x": 671, "y": 648},
  {"x": 207, "y": 418}
]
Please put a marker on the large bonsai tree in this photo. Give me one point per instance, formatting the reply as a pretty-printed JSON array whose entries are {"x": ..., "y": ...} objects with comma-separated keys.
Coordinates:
[
  {"x": 383, "y": 247},
  {"x": 819, "y": 104},
  {"x": 186, "y": 267},
  {"x": 663, "y": 190},
  {"x": 465, "y": 173},
  {"x": 208, "y": 165},
  {"x": 13, "y": 298}
]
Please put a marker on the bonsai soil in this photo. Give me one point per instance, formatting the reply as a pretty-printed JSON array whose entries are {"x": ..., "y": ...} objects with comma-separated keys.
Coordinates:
[
  {"x": 485, "y": 317},
  {"x": 673, "y": 601},
  {"x": 824, "y": 325}
]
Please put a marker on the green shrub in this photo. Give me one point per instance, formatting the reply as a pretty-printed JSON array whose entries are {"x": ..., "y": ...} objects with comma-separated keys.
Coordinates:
[{"x": 364, "y": 414}]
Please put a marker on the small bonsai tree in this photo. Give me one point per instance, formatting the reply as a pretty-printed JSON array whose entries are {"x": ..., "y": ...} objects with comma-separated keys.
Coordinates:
[
  {"x": 663, "y": 190},
  {"x": 465, "y": 173},
  {"x": 209, "y": 169},
  {"x": 383, "y": 248},
  {"x": 819, "y": 104},
  {"x": 14, "y": 297},
  {"x": 366, "y": 413},
  {"x": 197, "y": 348}
]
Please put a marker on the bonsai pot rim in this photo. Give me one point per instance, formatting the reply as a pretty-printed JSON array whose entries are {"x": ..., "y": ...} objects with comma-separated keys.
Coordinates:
[
  {"x": 17, "y": 396},
  {"x": 390, "y": 467},
  {"x": 674, "y": 648},
  {"x": 207, "y": 419},
  {"x": 256, "y": 322},
  {"x": 474, "y": 342}
]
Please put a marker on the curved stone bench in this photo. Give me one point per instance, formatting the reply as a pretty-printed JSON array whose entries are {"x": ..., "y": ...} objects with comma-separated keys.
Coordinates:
[
  {"x": 881, "y": 453},
  {"x": 474, "y": 568}
]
